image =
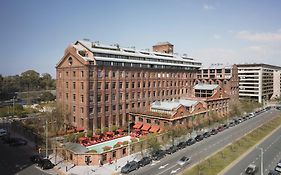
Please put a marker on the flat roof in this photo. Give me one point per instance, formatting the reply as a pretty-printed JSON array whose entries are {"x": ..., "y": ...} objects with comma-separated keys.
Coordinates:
[
  {"x": 259, "y": 65},
  {"x": 205, "y": 86},
  {"x": 170, "y": 105}
]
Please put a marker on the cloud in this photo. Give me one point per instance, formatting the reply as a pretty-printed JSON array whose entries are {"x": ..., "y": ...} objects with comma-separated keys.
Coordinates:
[
  {"x": 261, "y": 37},
  {"x": 217, "y": 36},
  {"x": 216, "y": 55},
  {"x": 268, "y": 54},
  {"x": 208, "y": 7}
]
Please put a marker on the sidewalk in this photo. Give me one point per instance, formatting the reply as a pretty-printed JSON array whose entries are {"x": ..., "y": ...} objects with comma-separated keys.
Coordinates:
[{"x": 106, "y": 169}]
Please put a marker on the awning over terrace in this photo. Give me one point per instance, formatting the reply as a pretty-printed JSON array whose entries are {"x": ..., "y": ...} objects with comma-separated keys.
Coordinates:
[
  {"x": 137, "y": 125},
  {"x": 154, "y": 128},
  {"x": 146, "y": 127}
]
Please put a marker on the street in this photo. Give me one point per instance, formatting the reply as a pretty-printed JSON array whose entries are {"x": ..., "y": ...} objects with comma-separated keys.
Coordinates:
[
  {"x": 271, "y": 155},
  {"x": 201, "y": 150},
  {"x": 15, "y": 159}
]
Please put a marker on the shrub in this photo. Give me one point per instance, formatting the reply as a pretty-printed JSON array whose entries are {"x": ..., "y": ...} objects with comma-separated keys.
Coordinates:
[
  {"x": 117, "y": 145},
  {"x": 89, "y": 134},
  {"x": 126, "y": 142},
  {"x": 134, "y": 140},
  {"x": 106, "y": 148},
  {"x": 71, "y": 138}
]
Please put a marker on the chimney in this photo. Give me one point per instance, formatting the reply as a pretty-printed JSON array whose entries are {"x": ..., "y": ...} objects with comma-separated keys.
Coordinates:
[{"x": 163, "y": 47}]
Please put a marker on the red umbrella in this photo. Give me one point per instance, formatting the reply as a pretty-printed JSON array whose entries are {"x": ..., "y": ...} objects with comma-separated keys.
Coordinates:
[
  {"x": 120, "y": 130},
  {"x": 109, "y": 133}
]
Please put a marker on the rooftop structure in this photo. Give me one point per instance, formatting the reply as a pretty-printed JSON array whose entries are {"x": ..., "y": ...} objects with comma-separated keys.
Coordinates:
[
  {"x": 170, "y": 105},
  {"x": 202, "y": 86}
]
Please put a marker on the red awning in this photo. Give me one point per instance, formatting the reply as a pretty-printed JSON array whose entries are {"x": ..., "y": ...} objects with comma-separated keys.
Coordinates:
[
  {"x": 145, "y": 127},
  {"x": 154, "y": 128},
  {"x": 137, "y": 125}
]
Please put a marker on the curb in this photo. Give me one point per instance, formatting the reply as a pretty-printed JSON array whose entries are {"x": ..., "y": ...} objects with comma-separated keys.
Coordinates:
[{"x": 248, "y": 151}]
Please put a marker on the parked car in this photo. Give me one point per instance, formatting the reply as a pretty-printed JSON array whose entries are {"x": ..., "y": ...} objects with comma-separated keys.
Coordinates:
[
  {"x": 18, "y": 142},
  {"x": 184, "y": 160},
  {"x": 144, "y": 161},
  {"x": 172, "y": 149},
  {"x": 251, "y": 169},
  {"x": 220, "y": 128},
  {"x": 36, "y": 158},
  {"x": 231, "y": 124},
  {"x": 157, "y": 155},
  {"x": 273, "y": 172},
  {"x": 214, "y": 131},
  {"x": 206, "y": 135},
  {"x": 130, "y": 166},
  {"x": 46, "y": 164},
  {"x": 3, "y": 132},
  {"x": 199, "y": 137},
  {"x": 181, "y": 145},
  {"x": 7, "y": 139},
  {"x": 225, "y": 126},
  {"x": 190, "y": 141}
]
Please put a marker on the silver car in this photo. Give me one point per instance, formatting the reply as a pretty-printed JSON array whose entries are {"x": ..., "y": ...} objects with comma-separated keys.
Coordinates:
[{"x": 184, "y": 160}]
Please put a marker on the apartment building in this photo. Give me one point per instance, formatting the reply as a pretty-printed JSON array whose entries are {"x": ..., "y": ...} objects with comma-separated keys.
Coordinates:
[
  {"x": 259, "y": 82},
  {"x": 225, "y": 76},
  {"x": 100, "y": 84}
]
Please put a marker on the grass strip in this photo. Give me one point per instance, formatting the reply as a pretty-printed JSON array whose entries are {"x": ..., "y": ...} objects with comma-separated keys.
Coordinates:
[{"x": 216, "y": 163}]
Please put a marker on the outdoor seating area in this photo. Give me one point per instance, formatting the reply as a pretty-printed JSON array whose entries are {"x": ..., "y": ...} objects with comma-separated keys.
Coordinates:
[
  {"x": 138, "y": 130},
  {"x": 99, "y": 138}
]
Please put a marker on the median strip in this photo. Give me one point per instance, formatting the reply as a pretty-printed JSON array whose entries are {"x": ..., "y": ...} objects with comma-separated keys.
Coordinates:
[{"x": 223, "y": 158}]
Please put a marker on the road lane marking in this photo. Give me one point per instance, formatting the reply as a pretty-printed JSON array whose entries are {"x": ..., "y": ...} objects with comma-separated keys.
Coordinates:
[
  {"x": 174, "y": 171},
  {"x": 154, "y": 163},
  {"x": 167, "y": 169},
  {"x": 163, "y": 166}
]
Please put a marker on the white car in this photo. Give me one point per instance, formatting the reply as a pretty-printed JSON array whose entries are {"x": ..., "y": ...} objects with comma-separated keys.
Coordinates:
[
  {"x": 184, "y": 160},
  {"x": 278, "y": 167}
]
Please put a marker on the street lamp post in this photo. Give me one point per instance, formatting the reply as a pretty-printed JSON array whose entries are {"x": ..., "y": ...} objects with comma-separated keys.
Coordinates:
[
  {"x": 261, "y": 161},
  {"x": 46, "y": 132},
  {"x": 13, "y": 106},
  {"x": 129, "y": 137}
]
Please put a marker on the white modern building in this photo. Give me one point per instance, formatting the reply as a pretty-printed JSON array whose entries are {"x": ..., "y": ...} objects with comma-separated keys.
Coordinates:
[{"x": 259, "y": 82}]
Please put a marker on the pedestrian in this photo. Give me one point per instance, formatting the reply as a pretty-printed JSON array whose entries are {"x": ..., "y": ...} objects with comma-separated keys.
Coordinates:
[{"x": 110, "y": 160}]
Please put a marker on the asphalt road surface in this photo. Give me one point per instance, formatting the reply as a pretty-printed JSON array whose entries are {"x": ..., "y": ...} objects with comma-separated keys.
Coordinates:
[
  {"x": 202, "y": 149},
  {"x": 15, "y": 160},
  {"x": 271, "y": 155}
]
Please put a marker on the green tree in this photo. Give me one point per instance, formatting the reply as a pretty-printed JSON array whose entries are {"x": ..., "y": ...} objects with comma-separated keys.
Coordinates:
[
  {"x": 46, "y": 81},
  {"x": 47, "y": 96},
  {"x": 152, "y": 142},
  {"x": 30, "y": 80}
]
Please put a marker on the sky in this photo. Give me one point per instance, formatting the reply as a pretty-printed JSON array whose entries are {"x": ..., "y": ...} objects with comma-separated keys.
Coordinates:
[{"x": 35, "y": 33}]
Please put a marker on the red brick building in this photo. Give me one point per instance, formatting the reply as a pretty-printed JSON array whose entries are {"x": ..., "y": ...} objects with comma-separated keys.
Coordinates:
[
  {"x": 192, "y": 111},
  {"x": 100, "y": 84}
]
